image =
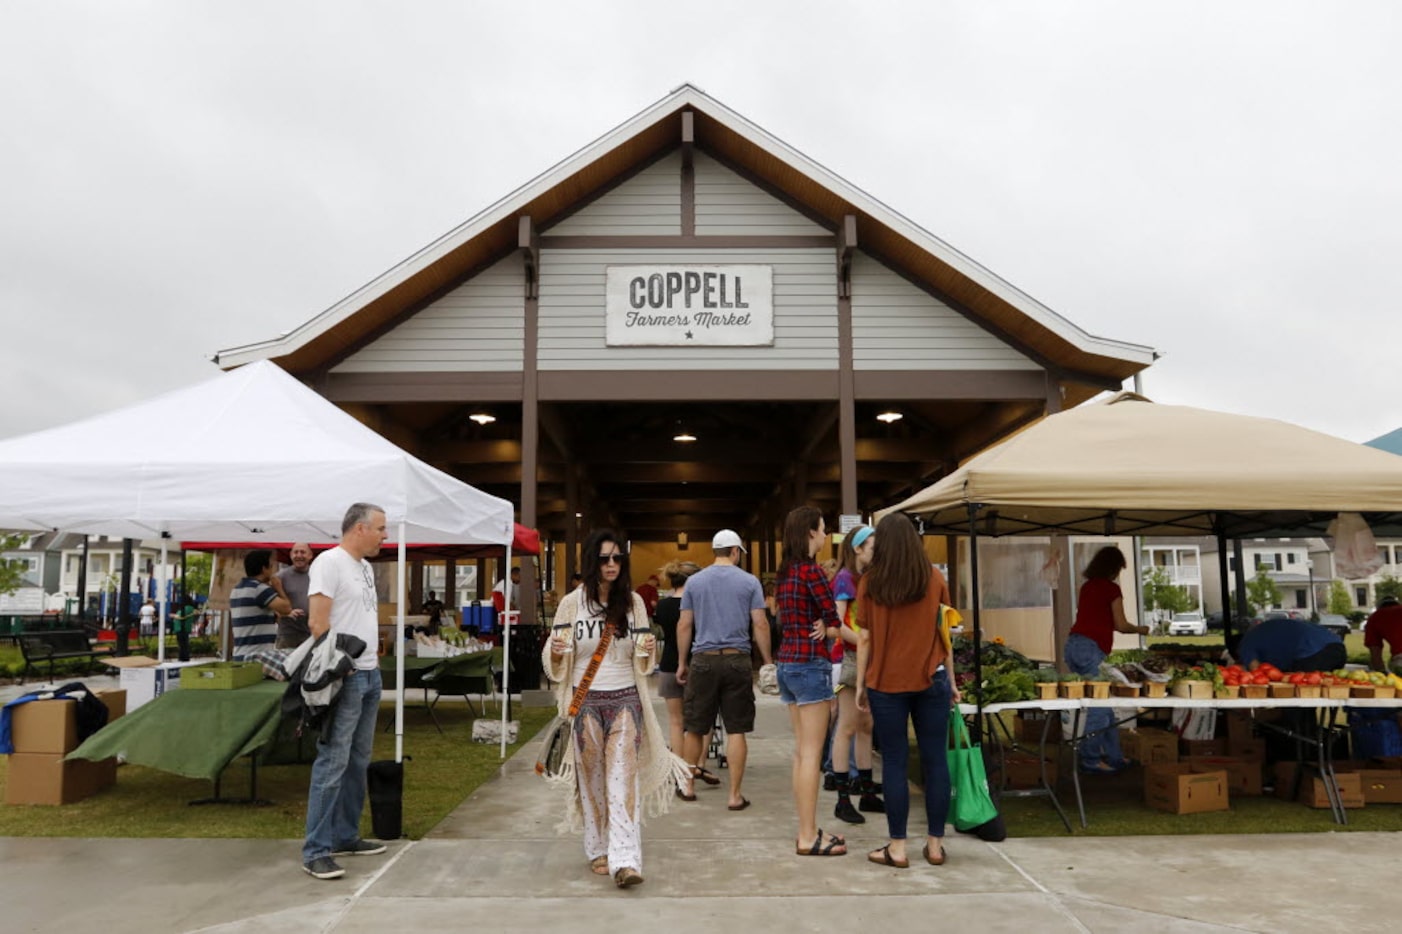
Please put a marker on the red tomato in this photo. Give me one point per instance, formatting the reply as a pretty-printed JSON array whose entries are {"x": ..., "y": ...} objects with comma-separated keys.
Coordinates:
[
  {"x": 1260, "y": 677},
  {"x": 1313, "y": 678},
  {"x": 1274, "y": 675}
]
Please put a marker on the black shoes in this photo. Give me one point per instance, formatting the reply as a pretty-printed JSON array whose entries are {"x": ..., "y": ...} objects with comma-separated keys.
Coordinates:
[{"x": 845, "y": 812}]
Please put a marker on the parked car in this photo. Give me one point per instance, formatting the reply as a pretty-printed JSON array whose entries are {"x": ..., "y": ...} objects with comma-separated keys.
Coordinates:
[
  {"x": 1214, "y": 621},
  {"x": 1187, "y": 624},
  {"x": 1335, "y": 623}
]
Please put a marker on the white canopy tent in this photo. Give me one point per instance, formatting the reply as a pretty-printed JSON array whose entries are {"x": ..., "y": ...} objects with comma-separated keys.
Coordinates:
[{"x": 256, "y": 456}]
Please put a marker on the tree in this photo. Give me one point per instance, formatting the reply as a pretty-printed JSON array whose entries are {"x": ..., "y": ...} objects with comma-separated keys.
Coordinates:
[
  {"x": 1389, "y": 586},
  {"x": 1159, "y": 594},
  {"x": 11, "y": 572},
  {"x": 198, "y": 566},
  {"x": 1339, "y": 600},
  {"x": 1261, "y": 591}
]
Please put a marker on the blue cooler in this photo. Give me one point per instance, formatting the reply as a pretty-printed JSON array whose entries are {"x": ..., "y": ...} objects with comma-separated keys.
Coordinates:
[
  {"x": 1375, "y": 733},
  {"x": 481, "y": 617}
]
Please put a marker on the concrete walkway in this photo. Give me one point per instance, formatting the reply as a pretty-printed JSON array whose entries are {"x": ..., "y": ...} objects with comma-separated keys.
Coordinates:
[{"x": 496, "y": 865}]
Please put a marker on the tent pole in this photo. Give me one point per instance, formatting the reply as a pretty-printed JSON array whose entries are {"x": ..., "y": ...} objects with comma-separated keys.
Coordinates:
[
  {"x": 976, "y": 600},
  {"x": 1228, "y": 618},
  {"x": 161, "y": 623},
  {"x": 505, "y": 649},
  {"x": 399, "y": 650}
]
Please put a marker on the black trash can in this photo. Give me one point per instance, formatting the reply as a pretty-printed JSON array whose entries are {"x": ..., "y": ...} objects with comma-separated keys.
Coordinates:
[
  {"x": 385, "y": 783},
  {"x": 526, "y": 642}
]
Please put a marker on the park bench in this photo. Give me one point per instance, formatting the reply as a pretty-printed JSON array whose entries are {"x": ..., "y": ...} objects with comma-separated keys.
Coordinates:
[{"x": 54, "y": 646}]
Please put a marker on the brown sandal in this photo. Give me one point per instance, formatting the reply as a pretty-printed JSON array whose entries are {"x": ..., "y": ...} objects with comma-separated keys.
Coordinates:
[
  {"x": 599, "y": 865},
  {"x": 883, "y": 857},
  {"x": 933, "y": 861},
  {"x": 626, "y": 877}
]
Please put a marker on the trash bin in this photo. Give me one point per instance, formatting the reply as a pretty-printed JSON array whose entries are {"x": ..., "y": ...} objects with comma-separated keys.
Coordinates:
[
  {"x": 385, "y": 783},
  {"x": 526, "y": 642}
]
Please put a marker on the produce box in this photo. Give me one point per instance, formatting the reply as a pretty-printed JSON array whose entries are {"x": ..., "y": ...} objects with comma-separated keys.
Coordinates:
[
  {"x": 1239, "y": 725},
  {"x": 1381, "y": 785},
  {"x": 1193, "y": 690},
  {"x": 1149, "y": 746},
  {"x": 1243, "y": 775},
  {"x": 47, "y": 727},
  {"x": 221, "y": 676},
  {"x": 1174, "y": 787},
  {"x": 1098, "y": 690},
  {"x": 1250, "y": 749},
  {"x": 1073, "y": 690},
  {"x": 1336, "y": 691},
  {"x": 1124, "y": 690},
  {"x": 1282, "y": 689},
  {"x": 1350, "y": 784},
  {"x": 1255, "y": 691},
  {"x": 115, "y": 701},
  {"x": 1189, "y": 748},
  {"x": 1024, "y": 771}
]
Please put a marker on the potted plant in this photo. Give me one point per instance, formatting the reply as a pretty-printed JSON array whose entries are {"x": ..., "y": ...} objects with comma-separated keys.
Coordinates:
[
  {"x": 1072, "y": 686},
  {"x": 1044, "y": 681}
]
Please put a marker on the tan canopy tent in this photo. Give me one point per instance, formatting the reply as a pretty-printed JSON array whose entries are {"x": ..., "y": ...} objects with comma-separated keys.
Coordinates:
[{"x": 1128, "y": 466}]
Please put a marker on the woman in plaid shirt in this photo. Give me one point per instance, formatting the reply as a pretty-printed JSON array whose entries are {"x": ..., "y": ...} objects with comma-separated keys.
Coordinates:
[{"x": 808, "y": 618}]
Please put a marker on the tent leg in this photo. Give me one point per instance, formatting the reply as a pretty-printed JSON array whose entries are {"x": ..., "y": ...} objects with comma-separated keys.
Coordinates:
[
  {"x": 399, "y": 650},
  {"x": 506, "y": 653},
  {"x": 976, "y": 600}
]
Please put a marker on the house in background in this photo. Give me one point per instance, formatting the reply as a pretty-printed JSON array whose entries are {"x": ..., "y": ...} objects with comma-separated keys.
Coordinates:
[
  {"x": 1180, "y": 560},
  {"x": 1293, "y": 563},
  {"x": 40, "y": 556},
  {"x": 105, "y": 567}
]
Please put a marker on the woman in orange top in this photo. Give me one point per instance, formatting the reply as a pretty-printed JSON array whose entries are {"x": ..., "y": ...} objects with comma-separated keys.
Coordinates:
[{"x": 902, "y": 649}]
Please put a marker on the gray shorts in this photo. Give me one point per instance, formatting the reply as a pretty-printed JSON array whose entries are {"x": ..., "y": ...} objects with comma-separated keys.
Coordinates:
[{"x": 667, "y": 686}]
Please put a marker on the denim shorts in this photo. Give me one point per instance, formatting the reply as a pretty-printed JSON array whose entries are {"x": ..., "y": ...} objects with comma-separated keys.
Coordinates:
[{"x": 805, "y": 682}]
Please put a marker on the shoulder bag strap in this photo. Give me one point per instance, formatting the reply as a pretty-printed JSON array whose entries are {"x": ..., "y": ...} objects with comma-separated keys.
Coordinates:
[{"x": 594, "y": 662}]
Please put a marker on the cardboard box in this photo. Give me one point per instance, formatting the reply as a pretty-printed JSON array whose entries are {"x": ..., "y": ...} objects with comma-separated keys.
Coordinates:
[
  {"x": 1381, "y": 786},
  {"x": 43, "y": 778},
  {"x": 1240, "y": 726},
  {"x": 1243, "y": 775},
  {"x": 45, "y": 727},
  {"x": 1193, "y": 690},
  {"x": 1250, "y": 749},
  {"x": 1175, "y": 788},
  {"x": 116, "y": 701},
  {"x": 146, "y": 683},
  {"x": 1350, "y": 785},
  {"x": 1149, "y": 746},
  {"x": 1028, "y": 727},
  {"x": 1025, "y": 771},
  {"x": 1194, "y": 748}
]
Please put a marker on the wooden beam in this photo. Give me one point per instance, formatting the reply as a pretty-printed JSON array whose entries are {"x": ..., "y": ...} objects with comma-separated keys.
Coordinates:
[
  {"x": 528, "y": 242},
  {"x": 846, "y": 247}
]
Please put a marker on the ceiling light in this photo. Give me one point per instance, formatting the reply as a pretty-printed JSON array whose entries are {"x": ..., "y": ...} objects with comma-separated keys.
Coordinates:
[
  {"x": 683, "y": 435},
  {"x": 482, "y": 418},
  {"x": 889, "y": 417}
]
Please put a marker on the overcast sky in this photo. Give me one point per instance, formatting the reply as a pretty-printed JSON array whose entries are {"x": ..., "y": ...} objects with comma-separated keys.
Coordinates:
[{"x": 1221, "y": 181}]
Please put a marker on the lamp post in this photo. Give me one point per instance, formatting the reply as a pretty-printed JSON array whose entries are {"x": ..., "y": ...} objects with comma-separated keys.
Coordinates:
[{"x": 1314, "y": 602}]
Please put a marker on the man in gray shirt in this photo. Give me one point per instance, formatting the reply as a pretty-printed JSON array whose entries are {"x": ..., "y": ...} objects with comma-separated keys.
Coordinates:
[
  {"x": 292, "y": 629},
  {"x": 720, "y": 607}
]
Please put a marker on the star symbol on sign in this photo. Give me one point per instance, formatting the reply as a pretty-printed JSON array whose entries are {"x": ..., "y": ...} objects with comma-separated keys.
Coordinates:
[{"x": 688, "y": 335}]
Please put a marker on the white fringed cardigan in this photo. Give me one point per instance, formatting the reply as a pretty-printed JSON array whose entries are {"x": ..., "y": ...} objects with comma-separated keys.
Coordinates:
[{"x": 659, "y": 770}]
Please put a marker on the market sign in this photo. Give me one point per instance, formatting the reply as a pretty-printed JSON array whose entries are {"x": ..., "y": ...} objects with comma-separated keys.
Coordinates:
[{"x": 689, "y": 305}]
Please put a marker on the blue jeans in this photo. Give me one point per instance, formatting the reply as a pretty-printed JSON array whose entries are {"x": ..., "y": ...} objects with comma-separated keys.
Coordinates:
[
  {"x": 929, "y": 710},
  {"x": 1083, "y": 657},
  {"x": 337, "y": 793},
  {"x": 807, "y": 682}
]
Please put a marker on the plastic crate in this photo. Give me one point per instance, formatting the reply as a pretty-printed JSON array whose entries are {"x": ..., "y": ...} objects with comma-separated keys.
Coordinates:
[
  {"x": 1376, "y": 738},
  {"x": 221, "y": 676}
]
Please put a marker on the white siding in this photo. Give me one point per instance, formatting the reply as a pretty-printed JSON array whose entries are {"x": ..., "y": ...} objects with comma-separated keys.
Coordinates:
[
  {"x": 896, "y": 326},
  {"x": 478, "y": 326},
  {"x": 572, "y": 313},
  {"x": 649, "y": 203},
  {"x": 727, "y": 204}
]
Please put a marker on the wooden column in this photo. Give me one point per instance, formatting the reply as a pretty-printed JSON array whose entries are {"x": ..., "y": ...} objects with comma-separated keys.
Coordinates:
[
  {"x": 571, "y": 526},
  {"x": 449, "y": 596},
  {"x": 416, "y": 586},
  {"x": 483, "y": 586},
  {"x": 529, "y": 244},
  {"x": 846, "y": 381}
]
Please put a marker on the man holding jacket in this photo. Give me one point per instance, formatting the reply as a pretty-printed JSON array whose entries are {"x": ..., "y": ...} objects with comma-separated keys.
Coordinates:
[{"x": 342, "y": 599}]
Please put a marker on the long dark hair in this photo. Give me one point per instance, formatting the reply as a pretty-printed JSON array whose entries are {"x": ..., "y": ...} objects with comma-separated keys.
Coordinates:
[
  {"x": 620, "y": 602},
  {"x": 797, "y": 525},
  {"x": 899, "y": 572},
  {"x": 1108, "y": 562}
]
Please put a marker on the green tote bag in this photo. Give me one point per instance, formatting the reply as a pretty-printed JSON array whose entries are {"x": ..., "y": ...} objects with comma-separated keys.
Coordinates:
[{"x": 970, "y": 805}]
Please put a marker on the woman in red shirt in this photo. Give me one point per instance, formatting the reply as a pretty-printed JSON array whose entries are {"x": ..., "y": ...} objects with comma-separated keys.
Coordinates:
[
  {"x": 808, "y": 615},
  {"x": 1100, "y": 613}
]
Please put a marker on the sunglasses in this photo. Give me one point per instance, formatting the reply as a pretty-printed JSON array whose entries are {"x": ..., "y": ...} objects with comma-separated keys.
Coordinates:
[{"x": 615, "y": 558}]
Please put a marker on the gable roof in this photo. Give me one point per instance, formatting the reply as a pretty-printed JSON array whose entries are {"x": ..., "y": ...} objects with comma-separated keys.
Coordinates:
[{"x": 724, "y": 134}]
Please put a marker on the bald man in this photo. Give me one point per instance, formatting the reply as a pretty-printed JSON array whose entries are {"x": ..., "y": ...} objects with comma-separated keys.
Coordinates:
[{"x": 292, "y": 629}]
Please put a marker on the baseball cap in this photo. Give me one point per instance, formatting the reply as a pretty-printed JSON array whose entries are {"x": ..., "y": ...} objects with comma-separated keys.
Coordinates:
[{"x": 726, "y": 538}]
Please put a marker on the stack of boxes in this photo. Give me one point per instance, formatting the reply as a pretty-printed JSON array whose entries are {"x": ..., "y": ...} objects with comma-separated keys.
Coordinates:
[{"x": 45, "y": 731}]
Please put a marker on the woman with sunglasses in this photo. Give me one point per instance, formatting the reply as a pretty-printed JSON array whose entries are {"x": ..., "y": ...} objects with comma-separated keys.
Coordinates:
[{"x": 619, "y": 761}]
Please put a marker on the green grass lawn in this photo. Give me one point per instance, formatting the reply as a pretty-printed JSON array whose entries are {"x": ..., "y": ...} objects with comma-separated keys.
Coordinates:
[{"x": 444, "y": 770}]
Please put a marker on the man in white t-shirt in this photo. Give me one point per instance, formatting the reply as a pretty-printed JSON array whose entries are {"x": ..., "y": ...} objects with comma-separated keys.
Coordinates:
[{"x": 342, "y": 599}]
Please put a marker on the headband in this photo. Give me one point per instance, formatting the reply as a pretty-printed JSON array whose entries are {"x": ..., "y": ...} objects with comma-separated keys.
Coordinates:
[{"x": 860, "y": 536}]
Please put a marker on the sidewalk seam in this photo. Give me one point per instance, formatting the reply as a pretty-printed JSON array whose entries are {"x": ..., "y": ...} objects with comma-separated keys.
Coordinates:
[
  {"x": 1055, "y": 899},
  {"x": 355, "y": 896}
]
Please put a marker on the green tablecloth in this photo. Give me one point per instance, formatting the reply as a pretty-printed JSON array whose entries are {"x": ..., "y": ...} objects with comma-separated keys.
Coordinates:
[{"x": 195, "y": 733}]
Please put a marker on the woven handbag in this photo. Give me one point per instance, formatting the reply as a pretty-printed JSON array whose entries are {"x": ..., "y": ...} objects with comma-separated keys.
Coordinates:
[{"x": 559, "y": 734}]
